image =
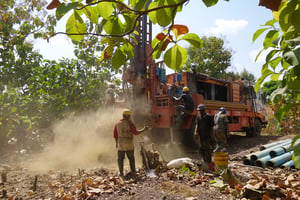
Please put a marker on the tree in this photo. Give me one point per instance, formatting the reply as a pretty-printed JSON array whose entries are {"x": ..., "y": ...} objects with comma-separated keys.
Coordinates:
[
  {"x": 269, "y": 87},
  {"x": 247, "y": 75},
  {"x": 212, "y": 58},
  {"x": 282, "y": 61}
]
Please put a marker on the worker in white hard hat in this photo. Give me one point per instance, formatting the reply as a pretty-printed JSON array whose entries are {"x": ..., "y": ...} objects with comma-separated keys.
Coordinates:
[
  {"x": 187, "y": 107},
  {"x": 110, "y": 96},
  {"x": 124, "y": 131},
  {"x": 204, "y": 135},
  {"x": 221, "y": 130}
]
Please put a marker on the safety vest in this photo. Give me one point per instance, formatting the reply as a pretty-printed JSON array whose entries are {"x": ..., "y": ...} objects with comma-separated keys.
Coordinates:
[{"x": 125, "y": 137}]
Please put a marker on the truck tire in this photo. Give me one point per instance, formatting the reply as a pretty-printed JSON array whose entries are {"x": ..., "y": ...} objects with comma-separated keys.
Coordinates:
[
  {"x": 254, "y": 131},
  {"x": 257, "y": 127}
]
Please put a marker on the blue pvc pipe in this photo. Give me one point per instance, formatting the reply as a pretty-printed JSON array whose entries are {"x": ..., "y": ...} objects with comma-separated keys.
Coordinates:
[
  {"x": 288, "y": 164},
  {"x": 279, "y": 160},
  {"x": 262, "y": 161},
  {"x": 260, "y": 154},
  {"x": 266, "y": 146}
]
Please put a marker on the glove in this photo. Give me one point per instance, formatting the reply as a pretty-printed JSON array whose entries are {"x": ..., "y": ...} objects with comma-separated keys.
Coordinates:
[{"x": 146, "y": 128}]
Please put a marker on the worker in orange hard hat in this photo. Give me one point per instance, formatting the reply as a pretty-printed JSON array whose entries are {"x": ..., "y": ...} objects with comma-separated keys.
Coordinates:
[
  {"x": 123, "y": 134},
  {"x": 187, "y": 107}
]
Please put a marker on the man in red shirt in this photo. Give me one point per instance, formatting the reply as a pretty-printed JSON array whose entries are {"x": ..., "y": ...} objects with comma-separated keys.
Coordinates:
[{"x": 123, "y": 134}]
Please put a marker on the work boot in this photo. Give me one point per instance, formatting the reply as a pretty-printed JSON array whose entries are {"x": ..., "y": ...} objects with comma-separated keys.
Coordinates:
[{"x": 120, "y": 165}]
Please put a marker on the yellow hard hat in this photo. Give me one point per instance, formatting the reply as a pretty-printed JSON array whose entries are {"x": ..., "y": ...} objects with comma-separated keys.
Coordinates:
[
  {"x": 185, "y": 89},
  {"x": 126, "y": 112}
]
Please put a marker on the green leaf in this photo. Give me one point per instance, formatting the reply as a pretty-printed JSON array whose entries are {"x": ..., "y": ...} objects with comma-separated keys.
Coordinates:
[
  {"x": 139, "y": 4},
  {"x": 105, "y": 9},
  {"x": 296, "y": 156},
  {"x": 295, "y": 19},
  {"x": 275, "y": 77},
  {"x": 293, "y": 42},
  {"x": 161, "y": 16},
  {"x": 271, "y": 54},
  {"x": 270, "y": 23},
  {"x": 130, "y": 20},
  {"x": 75, "y": 27},
  {"x": 113, "y": 26},
  {"x": 258, "y": 33},
  {"x": 64, "y": 8},
  {"x": 175, "y": 57},
  {"x": 283, "y": 110},
  {"x": 264, "y": 74},
  {"x": 193, "y": 39},
  {"x": 118, "y": 59},
  {"x": 270, "y": 37},
  {"x": 209, "y": 3},
  {"x": 91, "y": 13},
  {"x": 275, "y": 62},
  {"x": 293, "y": 57},
  {"x": 284, "y": 18},
  {"x": 278, "y": 91}
]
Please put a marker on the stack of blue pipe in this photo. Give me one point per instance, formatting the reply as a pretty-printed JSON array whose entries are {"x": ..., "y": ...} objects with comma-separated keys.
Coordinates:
[{"x": 276, "y": 154}]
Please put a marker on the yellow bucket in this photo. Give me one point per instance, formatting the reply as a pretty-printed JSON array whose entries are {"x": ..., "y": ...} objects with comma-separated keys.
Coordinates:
[{"x": 220, "y": 160}]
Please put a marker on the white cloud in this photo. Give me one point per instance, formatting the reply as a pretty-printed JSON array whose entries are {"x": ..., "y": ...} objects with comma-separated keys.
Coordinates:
[{"x": 227, "y": 27}]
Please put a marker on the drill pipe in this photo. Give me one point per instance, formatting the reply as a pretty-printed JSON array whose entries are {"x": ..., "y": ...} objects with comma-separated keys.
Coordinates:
[
  {"x": 260, "y": 154},
  {"x": 289, "y": 164},
  {"x": 279, "y": 160},
  {"x": 266, "y": 146},
  {"x": 261, "y": 162},
  {"x": 281, "y": 150}
]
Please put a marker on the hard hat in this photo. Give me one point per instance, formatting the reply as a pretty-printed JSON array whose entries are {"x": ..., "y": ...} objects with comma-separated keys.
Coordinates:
[
  {"x": 126, "y": 112},
  {"x": 185, "y": 89},
  {"x": 201, "y": 107},
  {"x": 223, "y": 109}
]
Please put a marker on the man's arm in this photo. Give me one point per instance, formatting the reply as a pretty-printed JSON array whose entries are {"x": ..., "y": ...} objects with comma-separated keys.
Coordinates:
[
  {"x": 134, "y": 130},
  {"x": 116, "y": 135}
]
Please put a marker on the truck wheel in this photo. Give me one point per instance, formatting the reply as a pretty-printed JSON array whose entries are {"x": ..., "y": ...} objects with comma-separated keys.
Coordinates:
[
  {"x": 257, "y": 127},
  {"x": 254, "y": 131}
]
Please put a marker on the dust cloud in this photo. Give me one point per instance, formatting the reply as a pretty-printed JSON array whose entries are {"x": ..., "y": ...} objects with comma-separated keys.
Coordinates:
[
  {"x": 83, "y": 141},
  {"x": 86, "y": 141}
]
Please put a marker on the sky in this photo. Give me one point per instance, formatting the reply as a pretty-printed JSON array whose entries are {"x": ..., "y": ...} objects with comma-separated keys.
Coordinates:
[{"x": 235, "y": 21}]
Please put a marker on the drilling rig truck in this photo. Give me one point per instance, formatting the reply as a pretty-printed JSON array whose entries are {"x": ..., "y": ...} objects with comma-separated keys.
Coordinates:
[{"x": 152, "y": 91}]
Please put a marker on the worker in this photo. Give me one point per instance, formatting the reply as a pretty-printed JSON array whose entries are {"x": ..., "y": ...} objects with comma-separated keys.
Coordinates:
[
  {"x": 204, "y": 133},
  {"x": 123, "y": 134},
  {"x": 187, "y": 107},
  {"x": 110, "y": 96},
  {"x": 221, "y": 130}
]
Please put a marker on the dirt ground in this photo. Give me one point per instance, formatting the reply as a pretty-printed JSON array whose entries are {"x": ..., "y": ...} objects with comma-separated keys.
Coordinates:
[{"x": 20, "y": 182}]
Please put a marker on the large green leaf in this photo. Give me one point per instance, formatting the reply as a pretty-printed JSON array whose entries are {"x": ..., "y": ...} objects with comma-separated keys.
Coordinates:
[
  {"x": 270, "y": 37},
  {"x": 284, "y": 18},
  {"x": 64, "y": 8},
  {"x": 91, "y": 13},
  {"x": 118, "y": 59},
  {"x": 295, "y": 19},
  {"x": 175, "y": 57},
  {"x": 113, "y": 25},
  {"x": 75, "y": 27},
  {"x": 161, "y": 16},
  {"x": 193, "y": 39},
  {"x": 105, "y": 9}
]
